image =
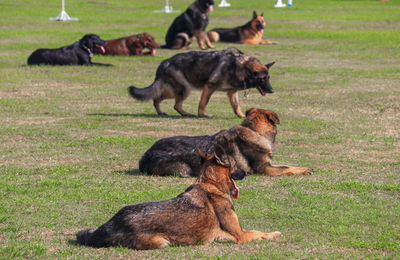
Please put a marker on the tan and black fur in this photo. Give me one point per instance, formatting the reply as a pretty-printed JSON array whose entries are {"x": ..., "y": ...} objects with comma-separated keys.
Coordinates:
[
  {"x": 227, "y": 70},
  {"x": 250, "y": 144},
  {"x": 202, "y": 214},
  {"x": 190, "y": 24},
  {"x": 250, "y": 33}
]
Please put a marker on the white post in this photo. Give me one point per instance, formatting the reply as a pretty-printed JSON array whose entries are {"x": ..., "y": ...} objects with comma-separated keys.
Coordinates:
[
  {"x": 63, "y": 16},
  {"x": 279, "y": 4},
  {"x": 224, "y": 3},
  {"x": 167, "y": 8}
]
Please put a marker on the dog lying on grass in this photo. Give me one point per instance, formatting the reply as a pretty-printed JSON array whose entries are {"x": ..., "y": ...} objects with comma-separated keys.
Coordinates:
[
  {"x": 78, "y": 53},
  {"x": 227, "y": 70},
  {"x": 250, "y": 144},
  {"x": 131, "y": 45},
  {"x": 250, "y": 33},
  {"x": 202, "y": 214}
]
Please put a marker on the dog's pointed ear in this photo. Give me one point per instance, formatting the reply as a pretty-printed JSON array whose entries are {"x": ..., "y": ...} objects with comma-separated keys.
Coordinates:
[
  {"x": 269, "y": 65},
  {"x": 254, "y": 14},
  {"x": 249, "y": 111},
  {"x": 272, "y": 117},
  {"x": 202, "y": 154},
  {"x": 262, "y": 14},
  {"x": 220, "y": 156}
]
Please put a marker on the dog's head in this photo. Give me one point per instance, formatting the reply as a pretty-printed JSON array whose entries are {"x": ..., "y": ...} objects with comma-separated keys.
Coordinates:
[
  {"x": 256, "y": 75},
  {"x": 262, "y": 121},
  {"x": 93, "y": 42},
  {"x": 146, "y": 40},
  {"x": 206, "y": 5},
  {"x": 219, "y": 170},
  {"x": 257, "y": 22}
]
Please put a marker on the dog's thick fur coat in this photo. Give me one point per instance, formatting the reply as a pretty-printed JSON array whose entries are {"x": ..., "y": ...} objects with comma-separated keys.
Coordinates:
[
  {"x": 131, "y": 45},
  {"x": 227, "y": 70},
  {"x": 189, "y": 24},
  {"x": 78, "y": 53},
  {"x": 250, "y": 33},
  {"x": 251, "y": 145},
  {"x": 202, "y": 214}
]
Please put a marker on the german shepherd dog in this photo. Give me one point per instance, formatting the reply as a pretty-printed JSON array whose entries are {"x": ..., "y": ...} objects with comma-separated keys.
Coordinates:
[
  {"x": 227, "y": 70},
  {"x": 250, "y": 144},
  {"x": 131, "y": 45},
  {"x": 202, "y": 214},
  {"x": 189, "y": 24},
  {"x": 250, "y": 33},
  {"x": 78, "y": 53}
]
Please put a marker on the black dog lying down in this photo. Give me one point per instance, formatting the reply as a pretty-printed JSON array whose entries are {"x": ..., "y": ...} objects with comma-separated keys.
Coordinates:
[{"x": 78, "y": 53}]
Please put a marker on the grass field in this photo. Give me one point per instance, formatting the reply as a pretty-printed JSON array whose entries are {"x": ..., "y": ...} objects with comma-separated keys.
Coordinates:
[{"x": 71, "y": 137}]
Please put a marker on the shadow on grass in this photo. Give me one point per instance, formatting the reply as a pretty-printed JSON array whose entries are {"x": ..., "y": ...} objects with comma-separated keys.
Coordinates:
[
  {"x": 149, "y": 115},
  {"x": 134, "y": 172},
  {"x": 135, "y": 115}
]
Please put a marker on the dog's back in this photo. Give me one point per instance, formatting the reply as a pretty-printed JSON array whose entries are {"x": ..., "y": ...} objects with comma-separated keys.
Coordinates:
[
  {"x": 175, "y": 155},
  {"x": 59, "y": 56}
]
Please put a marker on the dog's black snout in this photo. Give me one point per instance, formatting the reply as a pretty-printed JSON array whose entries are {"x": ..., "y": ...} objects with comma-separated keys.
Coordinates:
[{"x": 239, "y": 175}]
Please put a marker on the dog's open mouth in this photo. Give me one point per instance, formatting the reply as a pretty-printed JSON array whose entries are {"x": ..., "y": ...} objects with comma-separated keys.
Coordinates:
[
  {"x": 262, "y": 92},
  {"x": 234, "y": 190},
  {"x": 102, "y": 49},
  {"x": 153, "y": 52}
]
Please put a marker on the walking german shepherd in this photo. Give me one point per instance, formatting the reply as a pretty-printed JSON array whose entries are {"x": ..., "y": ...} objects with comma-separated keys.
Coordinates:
[
  {"x": 250, "y": 144},
  {"x": 200, "y": 215},
  {"x": 227, "y": 70},
  {"x": 191, "y": 23},
  {"x": 250, "y": 33}
]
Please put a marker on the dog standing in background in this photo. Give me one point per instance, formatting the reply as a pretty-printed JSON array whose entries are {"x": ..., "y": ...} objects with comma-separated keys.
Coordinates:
[
  {"x": 250, "y": 33},
  {"x": 227, "y": 70},
  {"x": 202, "y": 214},
  {"x": 191, "y": 23}
]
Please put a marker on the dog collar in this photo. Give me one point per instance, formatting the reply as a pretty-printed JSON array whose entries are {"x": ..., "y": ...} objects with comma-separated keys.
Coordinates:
[{"x": 88, "y": 51}]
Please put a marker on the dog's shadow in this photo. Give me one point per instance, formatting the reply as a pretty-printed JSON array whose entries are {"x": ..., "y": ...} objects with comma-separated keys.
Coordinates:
[
  {"x": 133, "y": 172},
  {"x": 151, "y": 116},
  {"x": 138, "y": 115}
]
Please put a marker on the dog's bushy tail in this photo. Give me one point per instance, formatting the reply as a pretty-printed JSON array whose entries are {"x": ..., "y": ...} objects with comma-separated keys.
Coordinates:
[
  {"x": 90, "y": 237},
  {"x": 151, "y": 92},
  {"x": 180, "y": 40}
]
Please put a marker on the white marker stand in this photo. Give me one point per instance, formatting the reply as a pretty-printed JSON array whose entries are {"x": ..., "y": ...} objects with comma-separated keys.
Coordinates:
[
  {"x": 167, "y": 9},
  {"x": 63, "y": 16},
  {"x": 279, "y": 4},
  {"x": 224, "y": 3}
]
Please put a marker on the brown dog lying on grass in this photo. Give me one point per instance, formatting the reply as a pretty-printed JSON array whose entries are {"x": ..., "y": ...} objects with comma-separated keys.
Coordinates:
[
  {"x": 250, "y": 144},
  {"x": 202, "y": 214},
  {"x": 131, "y": 45},
  {"x": 250, "y": 33}
]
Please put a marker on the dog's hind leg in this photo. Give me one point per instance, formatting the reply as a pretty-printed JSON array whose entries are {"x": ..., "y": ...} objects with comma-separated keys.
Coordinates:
[
  {"x": 179, "y": 105},
  {"x": 150, "y": 241},
  {"x": 181, "y": 90},
  {"x": 156, "y": 103},
  {"x": 205, "y": 97},
  {"x": 234, "y": 99}
]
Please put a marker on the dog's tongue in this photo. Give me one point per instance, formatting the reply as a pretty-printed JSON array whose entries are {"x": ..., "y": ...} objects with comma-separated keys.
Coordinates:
[
  {"x": 210, "y": 8},
  {"x": 235, "y": 191},
  {"x": 103, "y": 50},
  {"x": 153, "y": 52}
]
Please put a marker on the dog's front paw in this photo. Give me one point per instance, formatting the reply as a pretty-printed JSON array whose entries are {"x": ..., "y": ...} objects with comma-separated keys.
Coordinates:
[
  {"x": 308, "y": 171},
  {"x": 272, "y": 235}
]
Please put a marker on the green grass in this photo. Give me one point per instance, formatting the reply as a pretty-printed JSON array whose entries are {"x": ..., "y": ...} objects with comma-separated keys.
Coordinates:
[{"x": 71, "y": 138}]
